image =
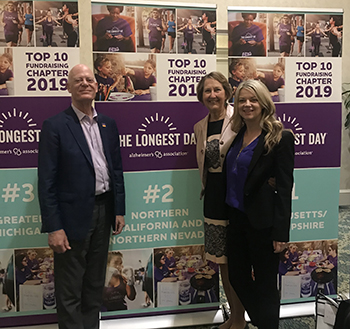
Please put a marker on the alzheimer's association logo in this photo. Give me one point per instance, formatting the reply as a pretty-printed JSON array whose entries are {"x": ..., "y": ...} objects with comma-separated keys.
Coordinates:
[
  {"x": 19, "y": 136},
  {"x": 160, "y": 141}
]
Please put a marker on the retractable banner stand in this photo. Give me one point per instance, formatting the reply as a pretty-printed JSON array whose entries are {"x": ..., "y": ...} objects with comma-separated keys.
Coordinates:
[
  {"x": 39, "y": 44},
  {"x": 147, "y": 61},
  {"x": 154, "y": 56},
  {"x": 297, "y": 54}
]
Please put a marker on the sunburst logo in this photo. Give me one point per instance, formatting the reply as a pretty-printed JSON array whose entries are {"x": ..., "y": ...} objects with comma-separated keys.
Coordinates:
[
  {"x": 24, "y": 116},
  {"x": 290, "y": 122},
  {"x": 18, "y": 127},
  {"x": 157, "y": 118}
]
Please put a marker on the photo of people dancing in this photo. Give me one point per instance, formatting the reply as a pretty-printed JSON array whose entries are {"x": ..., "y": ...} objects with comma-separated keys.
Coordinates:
[
  {"x": 69, "y": 21},
  {"x": 48, "y": 23},
  {"x": 324, "y": 35},
  {"x": 208, "y": 27},
  {"x": 189, "y": 29},
  {"x": 196, "y": 31},
  {"x": 316, "y": 35},
  {"x": 335, "y": 35}
]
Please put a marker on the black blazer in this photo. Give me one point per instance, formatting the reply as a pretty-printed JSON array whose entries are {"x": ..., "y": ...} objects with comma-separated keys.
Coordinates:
[
  {"x": 66, "y": 173},
  {"x": 266, "y": 206}
]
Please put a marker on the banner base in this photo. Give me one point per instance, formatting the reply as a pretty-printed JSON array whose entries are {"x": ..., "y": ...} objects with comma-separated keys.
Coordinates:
[{"x": 186, "y": 319}]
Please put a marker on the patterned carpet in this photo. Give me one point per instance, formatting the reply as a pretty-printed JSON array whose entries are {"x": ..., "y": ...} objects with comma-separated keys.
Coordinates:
[{"x": 343, "y": 275}]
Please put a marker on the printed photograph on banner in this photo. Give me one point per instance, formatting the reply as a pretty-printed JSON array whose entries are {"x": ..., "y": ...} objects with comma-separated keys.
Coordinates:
[
  {"x": 196, "y": 31},
  {"x": 129, "y": 280},
  {"x": 247, "y": 34},
  {"x": 113, "y": 28},
  {"x": 153, "y": 27},
  {"x": 34, "y": 277},
  {"x": 287, "y": 34},
  {"x": 305, "y": 267},
  {"x": 268, "y": 70},
  {"x": 6, "y": 72},
  {"x": 17, "y": 23},
  {"x": 125, "y": 77},
  {"x": 182, "y": 276},
  {"x": 324, "y": 35},
  {"x": 56, "y": 24},
  {"x": 7, "y": 283}
]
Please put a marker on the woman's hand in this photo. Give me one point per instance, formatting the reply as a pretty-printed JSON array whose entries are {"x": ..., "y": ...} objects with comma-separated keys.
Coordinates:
[{"x": 278, "y": 246}]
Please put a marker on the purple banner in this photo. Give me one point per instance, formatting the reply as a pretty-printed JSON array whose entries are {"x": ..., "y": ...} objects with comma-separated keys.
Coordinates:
[
  {"x": 159, "y": 136},
  {"x": 156, "y": 136},
  {"x": 317, "y": 132},
  {"x": 20, "y": 125}
]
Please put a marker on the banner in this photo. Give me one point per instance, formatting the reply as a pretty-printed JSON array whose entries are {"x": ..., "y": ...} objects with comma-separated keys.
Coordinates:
[
  {"x": 142, "y": 54},
  {"x": 40, "y": 45},
  {"x": 297, "y": 55},
  {"x": 140, "y": 73}
]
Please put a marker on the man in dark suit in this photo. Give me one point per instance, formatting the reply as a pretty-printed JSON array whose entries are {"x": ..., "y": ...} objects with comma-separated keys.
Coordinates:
[{"x": 81, "y": 194}]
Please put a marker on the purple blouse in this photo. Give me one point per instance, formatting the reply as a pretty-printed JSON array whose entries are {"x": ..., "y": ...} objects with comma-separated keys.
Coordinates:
[{"x": 237, "y": 164}]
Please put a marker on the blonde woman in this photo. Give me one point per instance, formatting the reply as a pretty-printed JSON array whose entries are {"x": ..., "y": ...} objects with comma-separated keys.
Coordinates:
[{"x": 259, "y": 214}]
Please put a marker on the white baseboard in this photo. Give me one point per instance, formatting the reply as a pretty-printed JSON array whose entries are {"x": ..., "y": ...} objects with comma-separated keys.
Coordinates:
[{"x": 344, "y": 197}]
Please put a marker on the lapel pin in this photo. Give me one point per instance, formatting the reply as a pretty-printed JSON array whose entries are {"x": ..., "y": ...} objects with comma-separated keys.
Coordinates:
[{"x": 104, "y": 125}]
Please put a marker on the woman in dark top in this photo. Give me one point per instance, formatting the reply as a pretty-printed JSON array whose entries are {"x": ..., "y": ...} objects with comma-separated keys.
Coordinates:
[
  {"x": 208, "y": 30},
  {"x": 189, "y": 30},
  {"x": 69, "y": 23},
  {"x": 259, "y": 214},
  {"x": 316, "y": 35},
  {"x": 23, "y": 273},
  {"x": 334, "y": 34},
  {"x": 48, "y": 24},
  {"x": 114, "y": 295},
  {"x": 161, "y": 272}
]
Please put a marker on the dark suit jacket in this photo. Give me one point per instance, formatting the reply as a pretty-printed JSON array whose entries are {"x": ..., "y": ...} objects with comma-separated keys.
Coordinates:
[
  {"x": 266, "y": 206},
  {"x": 66, "y": 183}
]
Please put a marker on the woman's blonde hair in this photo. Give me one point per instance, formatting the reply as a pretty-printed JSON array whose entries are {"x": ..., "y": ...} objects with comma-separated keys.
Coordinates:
[{"x": 268, "y": 121}]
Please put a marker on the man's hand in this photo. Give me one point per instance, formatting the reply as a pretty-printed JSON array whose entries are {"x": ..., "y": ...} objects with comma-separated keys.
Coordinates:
[
  {"x": 58, "y": 241},
  {"x": 119, "y": 224}
]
